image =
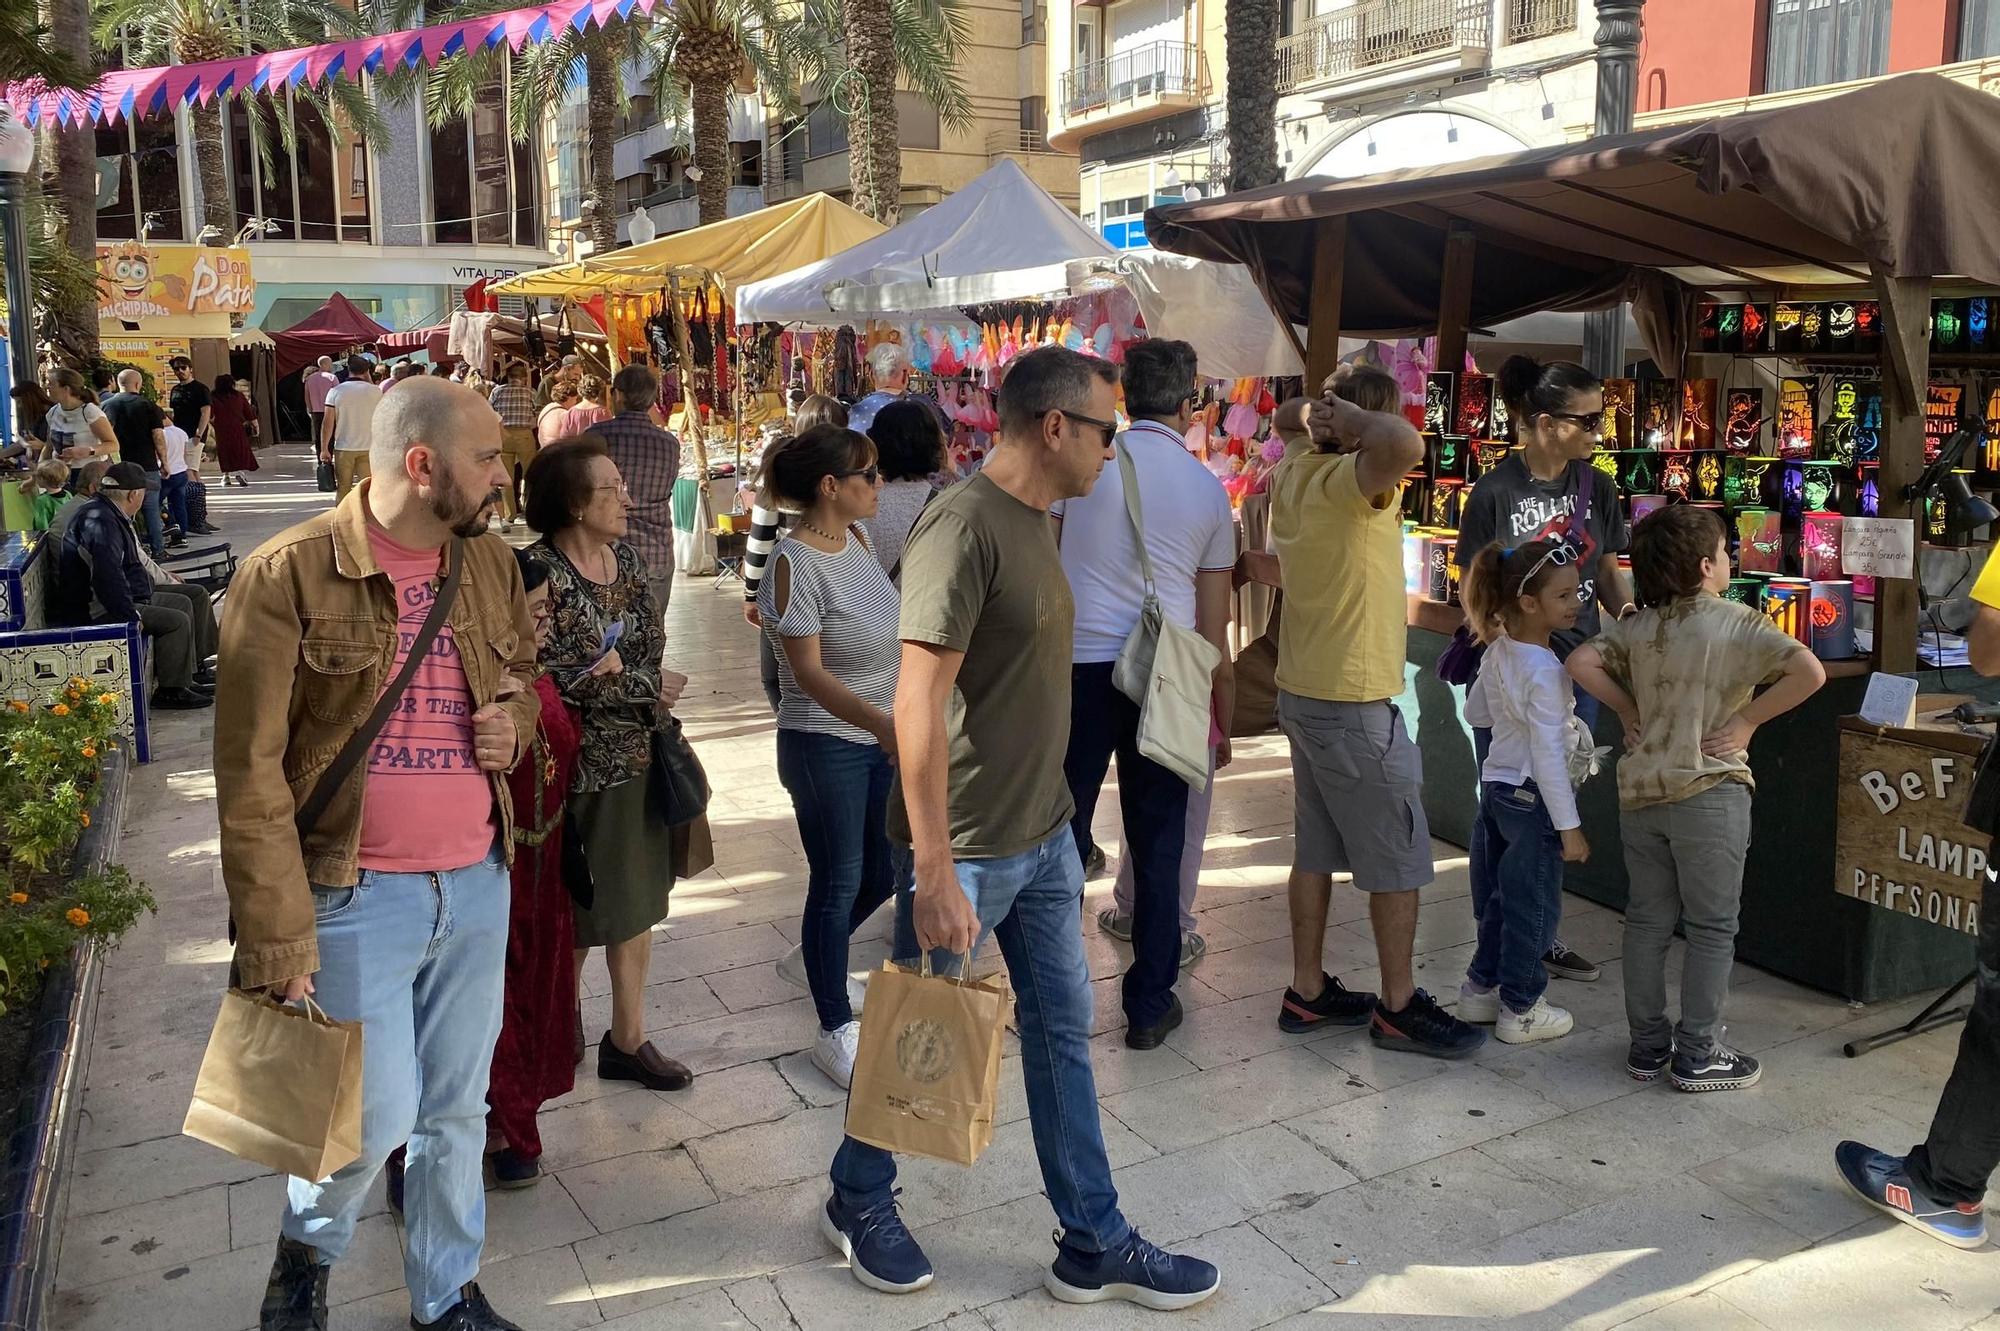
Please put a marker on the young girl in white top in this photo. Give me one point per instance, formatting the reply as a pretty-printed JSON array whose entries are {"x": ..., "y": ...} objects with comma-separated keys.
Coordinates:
[{"x": 1515, "y": 597}]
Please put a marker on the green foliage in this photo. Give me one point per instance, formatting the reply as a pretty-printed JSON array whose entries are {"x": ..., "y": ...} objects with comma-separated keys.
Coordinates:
[{"x": 50, "y": 757}]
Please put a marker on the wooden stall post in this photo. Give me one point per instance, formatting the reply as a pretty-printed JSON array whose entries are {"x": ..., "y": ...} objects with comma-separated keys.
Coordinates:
[
  {"x": 1455, "y": 296},
  {"x": 1906, "y": 360},
  {"x": 1323, "y": 316}
]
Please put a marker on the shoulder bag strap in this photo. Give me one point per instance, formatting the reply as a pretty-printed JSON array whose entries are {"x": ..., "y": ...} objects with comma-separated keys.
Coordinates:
[
  {"x": 349, "y": 757},
  {"x": 1130, "y": 476}
]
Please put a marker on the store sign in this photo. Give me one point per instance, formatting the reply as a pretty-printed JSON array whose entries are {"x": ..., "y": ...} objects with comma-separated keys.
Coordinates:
[
  {"x": 137, "y": 282},
  {"x": 1878, "y": 547},
  {"x": 150, "y": 354},
  {"x": 1901, "y": 845}
]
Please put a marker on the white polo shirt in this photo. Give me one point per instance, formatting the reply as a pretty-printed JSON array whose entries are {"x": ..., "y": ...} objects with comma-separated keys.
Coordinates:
[{"x": 1189, "y": 529}]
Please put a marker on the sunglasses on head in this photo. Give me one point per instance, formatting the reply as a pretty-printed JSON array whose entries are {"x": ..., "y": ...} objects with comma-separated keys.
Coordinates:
[{"x": 1561, "y": 555}]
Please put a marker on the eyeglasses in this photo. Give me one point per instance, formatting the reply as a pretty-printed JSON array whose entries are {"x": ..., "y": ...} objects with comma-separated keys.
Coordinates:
[
  {"x": 1591, "y": 421},
  {"x": 620, "y": 487},
  {"x": 1110, "y": 428},
  {"x": 871, "y": 474}
]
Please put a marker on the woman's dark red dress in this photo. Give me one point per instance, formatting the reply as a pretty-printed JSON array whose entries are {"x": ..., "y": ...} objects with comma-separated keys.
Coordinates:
[{"x": 534, "y": 1061}]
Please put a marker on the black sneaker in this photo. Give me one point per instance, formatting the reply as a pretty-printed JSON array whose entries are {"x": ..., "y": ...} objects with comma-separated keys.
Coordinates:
[
  {"x": 181, "y": 700},
  {"x": 1720, "y": 1069},
  {"x": 1137, "y": 1272},
  {"x": 1093, "y": 864},
  {"x": 513, "y": 1170},
  {"x": 471, "y": 1313},
  {"x": 1424, "y": 1028},
  {"x": 295, "y": 1295},
  {"x": 1564, "y": 964},
  {"x": 1337, "y": 1005},
  {"x": 1648, "y": 1064},
  {"x": 1149, "y": 1037}
]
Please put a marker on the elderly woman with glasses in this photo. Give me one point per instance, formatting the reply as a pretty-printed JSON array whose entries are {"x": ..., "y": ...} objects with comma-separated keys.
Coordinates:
[{"x": 603, "y": 651}]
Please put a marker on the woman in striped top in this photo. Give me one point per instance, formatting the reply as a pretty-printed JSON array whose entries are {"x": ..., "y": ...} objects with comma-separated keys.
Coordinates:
[
  {"x": 832, "y": 611},
  {"x": 765, "y": 519}
]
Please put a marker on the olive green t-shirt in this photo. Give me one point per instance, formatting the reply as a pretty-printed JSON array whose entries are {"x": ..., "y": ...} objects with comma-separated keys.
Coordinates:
[
  {"x": 982, "y": 575},
  {"x": 1690, "y": 665}
]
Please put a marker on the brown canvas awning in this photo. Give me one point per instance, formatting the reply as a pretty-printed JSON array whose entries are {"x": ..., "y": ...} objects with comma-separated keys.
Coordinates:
[{"x": 1901, "y": 176}]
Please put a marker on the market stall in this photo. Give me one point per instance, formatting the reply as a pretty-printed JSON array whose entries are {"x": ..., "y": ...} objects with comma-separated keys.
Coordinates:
[
  {"x": 328, "y": 331},
  {"x": 1825, "y": 246}
]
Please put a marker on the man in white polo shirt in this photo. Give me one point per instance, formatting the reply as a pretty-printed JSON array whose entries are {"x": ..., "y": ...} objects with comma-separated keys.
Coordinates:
[
  {"x": 1192, "y": 544},
  {"x": 348, "y": 426}
]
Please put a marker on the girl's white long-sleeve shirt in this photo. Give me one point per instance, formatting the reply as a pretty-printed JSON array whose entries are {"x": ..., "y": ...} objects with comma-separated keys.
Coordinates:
[{"x": 1525, "y": 695}]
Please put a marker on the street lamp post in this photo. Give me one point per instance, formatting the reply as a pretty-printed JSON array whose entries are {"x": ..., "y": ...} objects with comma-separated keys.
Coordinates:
[
  {"x": 17, "y": 152},
  {"x": 1618, "y": 31}
]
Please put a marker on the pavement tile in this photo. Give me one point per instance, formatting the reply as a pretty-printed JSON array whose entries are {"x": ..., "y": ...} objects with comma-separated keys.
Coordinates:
[
  {"x": 726, "y": 1042},
  {"x": 1375, "y": 1134},
  {"x": 1224, "y": 1182},
  {"x": 148, "y": 1237},
  {"x": 1877, "y": 1274},
  {"x": 633, "y": 1189},
  {"x": 665, "y": 1261},
  {"x": 611, "y": 1126},
  {"x": 1008, "y": 1169},
  {"x": 764, "y": 1155},
  {"x": 747, "y": 1093},
  {"x": 543, "y": 1291},
  {"x": 520, "y": 1221},
  {"x": 147, "y": 1171},
  {"x": 1270, "y": 1088}
]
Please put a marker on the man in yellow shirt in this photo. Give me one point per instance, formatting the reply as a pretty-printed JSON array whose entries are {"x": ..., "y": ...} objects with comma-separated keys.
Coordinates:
[
  {"x": 1357, "y": 777},
  {"x": 1940, "y": 1186}
]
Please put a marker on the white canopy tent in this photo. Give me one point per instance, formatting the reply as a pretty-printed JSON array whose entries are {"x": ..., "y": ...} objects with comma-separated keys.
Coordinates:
[{"x": 1001, "y": 237}]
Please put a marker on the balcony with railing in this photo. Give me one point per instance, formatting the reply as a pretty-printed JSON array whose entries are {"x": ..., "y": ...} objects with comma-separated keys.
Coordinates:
[
  {"x": 1388, "y": 43},
  {"x": 1530, "y": 19},
  {"x": 1126, "y": 87}
]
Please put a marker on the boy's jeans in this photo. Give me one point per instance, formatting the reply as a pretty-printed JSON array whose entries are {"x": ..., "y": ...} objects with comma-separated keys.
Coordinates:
[
  {"x": 419, "y": 959},
  {"x": 1521, "y": 868},
  {"x": 1685, "y": 862},
  {"x": 1957, "y": 1159},
  {"x": 1032, "y": 902}
]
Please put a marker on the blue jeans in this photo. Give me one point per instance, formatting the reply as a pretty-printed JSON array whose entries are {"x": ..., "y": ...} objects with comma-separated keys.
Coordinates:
[
  {"x": 1587, "y": 709},
  {"x": 1521, "y": 867},
  {"x": 173, "y": 493},
  {"x": 1103, "y": 722},
  {"x": 156, "y": 532},
  {"x": 1032, "y": 902},
  {"x": 419, "y": 960},
  {"x": 840, "y": 796}
]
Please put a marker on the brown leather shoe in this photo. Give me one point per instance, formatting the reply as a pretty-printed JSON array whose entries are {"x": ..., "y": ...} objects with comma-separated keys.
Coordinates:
[{"x": 645, "y": 1065}]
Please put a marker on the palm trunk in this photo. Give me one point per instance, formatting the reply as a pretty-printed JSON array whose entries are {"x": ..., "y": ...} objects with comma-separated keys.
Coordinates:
[
  {"x": 710, "y": 104},
  {"x": 875, "y": 160},
  {"x": 211, "y": 162},
  {"x": 75, "y": 159},
  {"x": 1250, "y": 36},
  {"x": 600, "y": 76}
]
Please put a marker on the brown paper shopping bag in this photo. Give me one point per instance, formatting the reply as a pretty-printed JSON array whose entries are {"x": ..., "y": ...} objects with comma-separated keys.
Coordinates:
[
  {"x": 927, "y": 1072},
  {"x": 280, "y": 1086}
]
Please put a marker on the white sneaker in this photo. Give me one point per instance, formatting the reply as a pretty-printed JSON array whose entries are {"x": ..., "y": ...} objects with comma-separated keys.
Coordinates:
[
  {"x": 1479, "y": 1008},
  {"x": 833, "y": 1053},
  {"x": 1543, "y": 1021},
  {"x": 792, "y": 968}
]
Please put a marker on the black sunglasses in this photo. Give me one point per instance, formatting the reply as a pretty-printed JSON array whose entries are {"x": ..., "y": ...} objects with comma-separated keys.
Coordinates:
[
  {"x": 1583, "y": 420},
  {"x": 873, "y": 473},
  {"x": 1110, "y": 428}
]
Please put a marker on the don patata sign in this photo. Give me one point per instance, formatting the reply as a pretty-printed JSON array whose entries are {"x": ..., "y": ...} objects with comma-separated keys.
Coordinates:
[{"x": 1903, "y": 845}]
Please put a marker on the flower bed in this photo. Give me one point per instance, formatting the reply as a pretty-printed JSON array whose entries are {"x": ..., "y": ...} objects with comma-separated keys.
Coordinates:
[{"x": 62, "y": 902}]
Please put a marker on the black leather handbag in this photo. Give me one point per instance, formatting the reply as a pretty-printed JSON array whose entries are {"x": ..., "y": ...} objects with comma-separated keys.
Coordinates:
[
  {"x": 325, "y": 478},
  {"x": 680, "y": 784}
]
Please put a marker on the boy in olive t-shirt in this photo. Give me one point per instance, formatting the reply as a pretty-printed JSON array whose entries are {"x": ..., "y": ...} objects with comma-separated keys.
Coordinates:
[{"x": 1682, "y": 676}]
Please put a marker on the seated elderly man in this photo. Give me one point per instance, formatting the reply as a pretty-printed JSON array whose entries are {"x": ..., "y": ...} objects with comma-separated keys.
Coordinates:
[{"x": 101, "y": 579}]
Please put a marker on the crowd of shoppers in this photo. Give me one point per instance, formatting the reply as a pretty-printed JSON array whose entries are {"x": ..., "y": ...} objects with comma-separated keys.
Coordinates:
[{"x": 910, "y": 627}]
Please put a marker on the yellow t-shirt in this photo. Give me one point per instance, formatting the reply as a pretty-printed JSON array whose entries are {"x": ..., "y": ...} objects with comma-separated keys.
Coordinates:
[
  {"x": 1344, "y": 635},
  {"x": 1986, "y": 591}
]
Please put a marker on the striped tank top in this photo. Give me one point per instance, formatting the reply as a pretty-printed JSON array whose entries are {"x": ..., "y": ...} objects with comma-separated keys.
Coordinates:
[{"x": 850, "y": 603}]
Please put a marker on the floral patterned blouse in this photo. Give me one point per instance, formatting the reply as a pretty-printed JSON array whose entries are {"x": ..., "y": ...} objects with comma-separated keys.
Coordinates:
[{"x": 618, "y": 711}]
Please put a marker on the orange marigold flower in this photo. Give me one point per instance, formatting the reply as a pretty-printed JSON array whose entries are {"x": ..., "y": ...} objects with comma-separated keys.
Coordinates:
[
  {"x": 86, "y": 819},
  {"x": 16, "y": 705},
  {"x": 89, "y": 752},
  {"x": 18, "y": 898},
  {"x": 106, "y": 699},
  {"x": 60, "y": 709},
  {"x": 77, "y": 916}
]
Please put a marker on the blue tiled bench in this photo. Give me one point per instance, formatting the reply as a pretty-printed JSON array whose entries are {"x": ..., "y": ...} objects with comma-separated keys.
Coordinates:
[{"x": 37, "y": 662}]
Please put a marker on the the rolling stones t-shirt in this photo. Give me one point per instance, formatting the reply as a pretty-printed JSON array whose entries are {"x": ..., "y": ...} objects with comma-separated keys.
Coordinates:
[{"x": 1509, "y": 505}]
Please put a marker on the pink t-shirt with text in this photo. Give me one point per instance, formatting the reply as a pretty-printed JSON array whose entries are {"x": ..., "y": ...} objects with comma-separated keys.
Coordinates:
[{"x": 426, "y": 805}]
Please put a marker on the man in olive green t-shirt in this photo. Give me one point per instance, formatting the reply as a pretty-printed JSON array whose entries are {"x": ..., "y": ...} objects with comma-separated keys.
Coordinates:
[{"x": 982, "y": 725}]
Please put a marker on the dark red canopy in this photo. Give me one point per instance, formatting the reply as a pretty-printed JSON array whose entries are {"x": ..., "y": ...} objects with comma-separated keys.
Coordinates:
[{"x": 327, "y": 331}]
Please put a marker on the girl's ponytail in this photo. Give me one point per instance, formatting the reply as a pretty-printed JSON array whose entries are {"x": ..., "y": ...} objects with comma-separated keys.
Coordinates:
[{"x": 1479, "y": 590}]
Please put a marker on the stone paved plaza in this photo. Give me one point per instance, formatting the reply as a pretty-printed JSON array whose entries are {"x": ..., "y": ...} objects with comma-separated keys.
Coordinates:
[{"x": 1338, "y": 1188}]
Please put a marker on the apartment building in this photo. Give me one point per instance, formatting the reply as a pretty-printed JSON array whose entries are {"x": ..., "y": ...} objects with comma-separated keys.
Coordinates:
[
  {"x": 1364, "y": 86},
  {"x": 1711, "y": 57}
]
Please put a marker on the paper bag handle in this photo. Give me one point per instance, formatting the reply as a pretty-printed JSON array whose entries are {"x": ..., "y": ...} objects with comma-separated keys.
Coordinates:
[{"x": 964, "y": 965}]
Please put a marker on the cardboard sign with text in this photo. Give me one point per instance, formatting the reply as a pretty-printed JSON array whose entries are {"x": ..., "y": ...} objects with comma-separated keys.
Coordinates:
[{"x": 1901, "y": 845}]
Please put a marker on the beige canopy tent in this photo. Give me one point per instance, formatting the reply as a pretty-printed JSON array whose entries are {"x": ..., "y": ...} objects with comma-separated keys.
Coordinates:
[
  {"x": 1882, "y": 193},
  {"x": 729, "y": 253}
]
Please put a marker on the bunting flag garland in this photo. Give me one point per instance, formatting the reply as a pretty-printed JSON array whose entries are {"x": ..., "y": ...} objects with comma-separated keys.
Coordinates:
[{"x": 136, "y": 93}]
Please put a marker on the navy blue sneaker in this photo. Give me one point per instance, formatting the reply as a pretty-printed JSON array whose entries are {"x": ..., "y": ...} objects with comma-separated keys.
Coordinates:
[
  {"x": 1882, "y": 1181},
  {"x": 878, "y": 1249},
  {"x": 1422, "y": 1027},
  {"x": 1137, "y": 1272}
]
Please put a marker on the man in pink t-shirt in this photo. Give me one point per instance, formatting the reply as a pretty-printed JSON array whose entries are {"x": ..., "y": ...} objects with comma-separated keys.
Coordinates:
[
  {"x": 318, "y": 384},
  {"x": 391, "y": 907}
]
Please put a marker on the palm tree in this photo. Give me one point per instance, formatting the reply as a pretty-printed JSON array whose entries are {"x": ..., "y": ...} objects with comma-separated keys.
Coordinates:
[
  {"x": 176, "y": 32},
  {"x": 921, "y": 42},
  {"x": 75, "y": 161},
  {"x": 1250, "y": 36},
  {"x": 29, "y": 50}
]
